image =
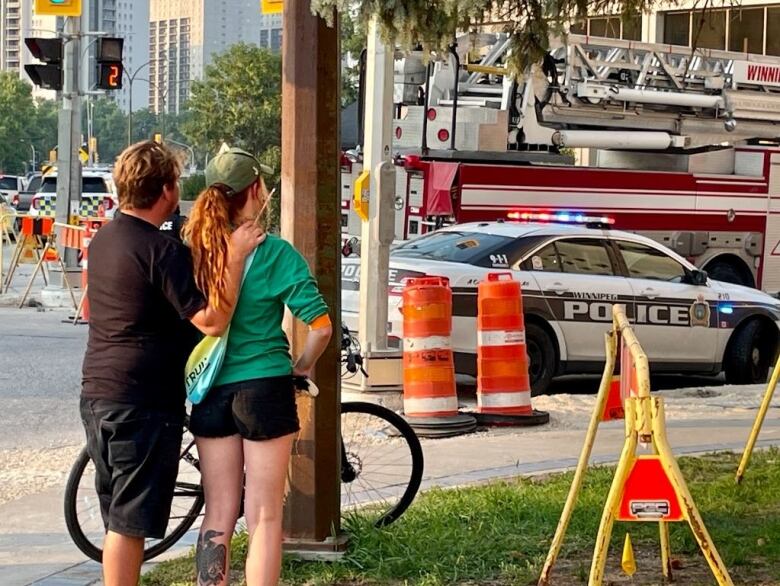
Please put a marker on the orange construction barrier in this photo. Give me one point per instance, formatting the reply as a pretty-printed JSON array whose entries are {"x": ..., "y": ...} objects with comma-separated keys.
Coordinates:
[
  {"x": 430, "y": 397},
  {"x": 29, "y": 247},
  {"x": 503, "y": 384},
  {"x": 53, "y": 232},
  {"x": 90, "y": 227}
]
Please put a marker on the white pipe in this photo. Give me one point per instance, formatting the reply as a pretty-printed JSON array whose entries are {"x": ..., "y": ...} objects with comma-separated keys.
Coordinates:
[
  {"x": 665, "y": 98},
  {"x": 607, "y": 139}
]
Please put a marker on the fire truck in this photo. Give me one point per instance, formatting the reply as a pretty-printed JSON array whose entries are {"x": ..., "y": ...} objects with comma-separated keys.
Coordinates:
[{"x": 681, "y": 146}]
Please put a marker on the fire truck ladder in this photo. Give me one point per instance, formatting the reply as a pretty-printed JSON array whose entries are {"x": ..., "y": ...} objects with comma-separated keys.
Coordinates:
[{"x": 595, "y": 92}]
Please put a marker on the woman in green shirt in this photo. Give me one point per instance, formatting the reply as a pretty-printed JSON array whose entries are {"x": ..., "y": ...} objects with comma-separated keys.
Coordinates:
[{"x": 248, "y": 420}]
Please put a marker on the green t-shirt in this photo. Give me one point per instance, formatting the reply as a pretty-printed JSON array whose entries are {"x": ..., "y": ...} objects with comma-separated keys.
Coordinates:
[{"x": 257, "y": 345}]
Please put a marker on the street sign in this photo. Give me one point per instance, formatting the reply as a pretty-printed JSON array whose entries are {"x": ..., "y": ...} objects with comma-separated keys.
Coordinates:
[
  {"x": 271, "y": 6},
  {"x": 58, "y": 7}
]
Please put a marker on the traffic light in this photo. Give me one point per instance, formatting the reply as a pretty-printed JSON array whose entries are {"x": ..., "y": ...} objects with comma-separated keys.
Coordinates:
[
  {"x": 109, "y": 58},
  {"x": 49, "y": 75}
]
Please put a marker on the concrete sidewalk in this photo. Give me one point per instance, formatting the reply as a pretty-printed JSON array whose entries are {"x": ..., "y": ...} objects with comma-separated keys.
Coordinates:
[{"x": 35, "y": 547}]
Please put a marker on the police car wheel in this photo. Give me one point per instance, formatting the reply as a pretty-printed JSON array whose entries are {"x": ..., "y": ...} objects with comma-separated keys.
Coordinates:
[
  {"x": 747, "y": 361},
  {"x": 541, "y": 358}
]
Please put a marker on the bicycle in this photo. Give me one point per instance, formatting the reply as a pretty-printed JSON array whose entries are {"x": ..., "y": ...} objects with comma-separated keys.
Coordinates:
[{"x": 381, "y": 471}]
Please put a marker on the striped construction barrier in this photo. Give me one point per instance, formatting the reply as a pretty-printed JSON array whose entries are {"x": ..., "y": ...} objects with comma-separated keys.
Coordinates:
[
  {"x": 503, "y": 384},
  {"x": 430, "y": 397}
]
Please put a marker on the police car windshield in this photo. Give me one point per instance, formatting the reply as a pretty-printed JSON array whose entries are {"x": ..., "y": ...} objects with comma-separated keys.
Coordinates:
[
  {"x": 462, "y": 247},
  {"x": 88, "y": 185}
]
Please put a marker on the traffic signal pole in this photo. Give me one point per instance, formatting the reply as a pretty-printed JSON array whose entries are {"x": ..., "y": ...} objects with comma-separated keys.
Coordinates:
[
  {"x": 69, "y": 134},
  {"x": 384, "y": 366}
]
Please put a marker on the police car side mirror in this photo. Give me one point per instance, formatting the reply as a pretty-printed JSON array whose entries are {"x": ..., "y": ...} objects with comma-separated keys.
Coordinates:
[{"x": 698, "y": 278}]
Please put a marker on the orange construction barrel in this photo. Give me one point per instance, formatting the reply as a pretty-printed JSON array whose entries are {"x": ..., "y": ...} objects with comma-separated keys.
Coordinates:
[
  {"x": 503, "y": 384},
  {"x": 430, "y": 397}
]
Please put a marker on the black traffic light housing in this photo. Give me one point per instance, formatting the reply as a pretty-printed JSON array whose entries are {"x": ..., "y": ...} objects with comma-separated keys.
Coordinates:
[
  {"x": 49, "y": 75},
  {"x": 109, "y": 59}
]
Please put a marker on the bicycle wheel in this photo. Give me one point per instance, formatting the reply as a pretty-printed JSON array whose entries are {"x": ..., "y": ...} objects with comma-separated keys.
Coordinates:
[
  {"x": 82, "y": 508},
  {"x": 381, "y": 462}
]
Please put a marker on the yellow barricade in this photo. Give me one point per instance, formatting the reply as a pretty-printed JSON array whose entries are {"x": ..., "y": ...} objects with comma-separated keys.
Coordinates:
[
  {"x": 7, "y": 235},
  {"x": 759, "y": 422},
  {"x": 645, "y": 488}
]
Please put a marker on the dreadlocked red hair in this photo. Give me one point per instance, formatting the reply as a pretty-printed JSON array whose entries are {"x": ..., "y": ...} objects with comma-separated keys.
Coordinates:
[{"x": 208, "y": 233}]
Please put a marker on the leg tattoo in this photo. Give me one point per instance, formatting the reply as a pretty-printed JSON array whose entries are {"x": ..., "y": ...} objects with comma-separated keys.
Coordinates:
[{"x": 210, "y": 558}]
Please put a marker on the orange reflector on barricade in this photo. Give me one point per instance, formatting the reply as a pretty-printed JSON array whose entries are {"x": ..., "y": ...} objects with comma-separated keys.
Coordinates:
[
  {"x": 613, "y": 408},
  {"x": 648, "y": 494},
  {"x": 37, "y": 226}
]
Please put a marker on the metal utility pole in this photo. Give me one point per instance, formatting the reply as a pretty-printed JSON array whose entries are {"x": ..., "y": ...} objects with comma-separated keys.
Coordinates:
[
  {"x": 69, "y": 134},
  {"x": 311, "y": 221},
  {"x": 377, "y": 234}
]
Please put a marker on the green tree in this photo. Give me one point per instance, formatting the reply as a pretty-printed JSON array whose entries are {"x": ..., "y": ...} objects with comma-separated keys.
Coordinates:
[
  {"x": 433, "y": 25},
  {"x": 145, "y": 124},
  {"x": 43, "y": 132},
  {"x": 353, "y": 41},
  {"x": 238, "y": 101},
  {"x": 17, "y": 117},
  {"x": 109, "y": 125}
]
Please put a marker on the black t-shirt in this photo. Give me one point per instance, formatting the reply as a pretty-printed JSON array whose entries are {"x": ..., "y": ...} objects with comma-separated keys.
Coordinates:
[{"x": 141, "y": 291}]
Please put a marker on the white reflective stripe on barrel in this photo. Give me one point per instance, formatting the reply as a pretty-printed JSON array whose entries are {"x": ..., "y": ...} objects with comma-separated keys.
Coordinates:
[
  {"x": 501, "y": 337},
  {"x": 512, "y": 399},
  {"x": 430, "y": 405},
  {"x": 427, "y": 343}
]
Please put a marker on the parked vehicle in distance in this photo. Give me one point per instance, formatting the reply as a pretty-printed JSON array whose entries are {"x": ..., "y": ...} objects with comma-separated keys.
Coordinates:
[
  {"x": 96, "y": 188},
  {"x": 10, "y": 187}
]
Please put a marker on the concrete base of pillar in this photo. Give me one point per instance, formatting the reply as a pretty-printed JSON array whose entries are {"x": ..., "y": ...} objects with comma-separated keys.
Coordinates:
[{"x": 331, "y": 549}]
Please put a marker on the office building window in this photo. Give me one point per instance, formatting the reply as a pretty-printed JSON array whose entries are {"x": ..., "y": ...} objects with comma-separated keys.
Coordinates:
[
  {"x": 677, "y": 28},
  {"x": 746, "y": 30},
  {"x": 611, "y": 27},
  {"x": 773, "y": 24},
  {"x": 264, "y": 38},
  {"x": 709, "y": 29},
  {"x": 276, "y": 39}
]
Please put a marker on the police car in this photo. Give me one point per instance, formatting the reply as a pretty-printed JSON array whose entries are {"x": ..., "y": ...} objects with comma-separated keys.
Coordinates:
[
  {"x": 573, "y": 269},
  {"x": 97, "y": 188}
]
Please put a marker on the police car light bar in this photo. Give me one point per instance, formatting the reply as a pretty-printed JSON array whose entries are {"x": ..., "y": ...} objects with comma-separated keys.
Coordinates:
[{"x": 561, "y": 217}]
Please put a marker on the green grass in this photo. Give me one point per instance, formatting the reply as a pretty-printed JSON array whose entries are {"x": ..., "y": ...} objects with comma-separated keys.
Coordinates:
[{"x": 499, "y": 534}]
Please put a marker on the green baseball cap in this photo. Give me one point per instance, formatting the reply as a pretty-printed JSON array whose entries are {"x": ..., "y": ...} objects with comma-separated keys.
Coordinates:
[{"x": 234, "y": 170}]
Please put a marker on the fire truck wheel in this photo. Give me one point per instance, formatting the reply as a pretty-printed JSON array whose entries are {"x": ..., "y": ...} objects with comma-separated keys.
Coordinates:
[
  {"x": 728, "y": 273},
  {"x": 541, "y": 357},
  {"x": 748, "y": 355}
]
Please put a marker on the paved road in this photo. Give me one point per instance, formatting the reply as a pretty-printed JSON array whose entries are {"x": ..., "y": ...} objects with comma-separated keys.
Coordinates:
[
  {"x": 40, "y": 372},
  {"x": 40, "y": 360}
]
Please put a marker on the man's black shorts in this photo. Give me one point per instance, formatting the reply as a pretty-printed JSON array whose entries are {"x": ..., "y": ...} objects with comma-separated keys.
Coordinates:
[
  {"x": 258, "y": 409},
  {"x": 136, "y": 455}
]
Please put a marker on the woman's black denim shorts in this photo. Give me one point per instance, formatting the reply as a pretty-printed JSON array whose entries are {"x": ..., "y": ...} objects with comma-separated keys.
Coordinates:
[{"x": 257, "y": 409}]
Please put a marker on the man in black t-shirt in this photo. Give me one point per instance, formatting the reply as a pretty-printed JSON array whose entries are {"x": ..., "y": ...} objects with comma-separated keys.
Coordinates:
[{"x": 142, "y": 295}]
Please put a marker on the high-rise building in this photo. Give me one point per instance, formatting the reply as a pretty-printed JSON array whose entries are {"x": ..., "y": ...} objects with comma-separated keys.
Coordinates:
[
  {"x": 17, "y": 21},
  {"x": 184, "y": 36},
  {"x": 271, "y": 32},
  {"x": 12, "y": 15},
  {"x": 128, "y": 19}
]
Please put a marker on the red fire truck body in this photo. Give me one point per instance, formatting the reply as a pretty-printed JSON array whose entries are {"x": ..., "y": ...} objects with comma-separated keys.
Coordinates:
[{"x": 728, "y": 224}]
